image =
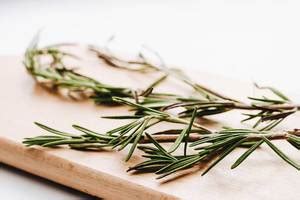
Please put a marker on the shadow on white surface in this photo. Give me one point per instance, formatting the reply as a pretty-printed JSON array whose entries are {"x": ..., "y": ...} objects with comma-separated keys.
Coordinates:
[{"x": 19, "y": 185}]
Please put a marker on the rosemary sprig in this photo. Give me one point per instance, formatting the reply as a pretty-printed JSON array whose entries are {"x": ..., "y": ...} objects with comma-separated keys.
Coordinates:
[
  {"x": 210, "y": 102},
  {"x": 152, "y": 108},
  {"x": 47, "y": 66},
  {"x": 213, "y": 148},
  {"x": 141, "y": 64},
  {"x": 269, "y": 110},
  {"x": 160, "y": 115},
  {"x": 132, "y": 133},
  {"x": 207, "y": 147},
  {"x": 56, "y": 75},
  {"x": 208, "y": 144}
]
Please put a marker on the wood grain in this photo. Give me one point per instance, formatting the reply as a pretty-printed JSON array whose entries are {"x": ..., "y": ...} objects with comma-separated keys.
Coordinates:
[{"x": 103, "y": 173}]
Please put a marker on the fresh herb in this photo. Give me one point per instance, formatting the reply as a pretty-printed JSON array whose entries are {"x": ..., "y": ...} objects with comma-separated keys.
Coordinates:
[
  {"x": 211, "y": 147},
  {"x": 269, "y": 110},
  {"x": 48, "y": 67},
  {"x": 208, "y": 102}
]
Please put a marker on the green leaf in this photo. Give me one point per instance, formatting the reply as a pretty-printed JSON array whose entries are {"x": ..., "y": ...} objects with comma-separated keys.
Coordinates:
[
  {"x": 294, "y": 143},
  {"x": 281, "y": 154},
  {"x": 271, "y": 125},
  {"x": 159, "y": 147},
  {"x": 124, "y": 141},
  {"x": 188, "y": 131},
  {"x": 134, "y": 144},
  {"x": 123, "y": 117},
  {"x": 178, "y": 141},
  {"x": 275, "y": 101},
  {"x": 64, "y": 142},
  {"x": 180, "y": 165},
  {"x": 115, "y": 130},
  {"x": 228, "y": 135},
  {"x": 51, "y": 130},
  {"x": 149, "y": 164},
  {"x": 275, "y": 91},
  {"x": 279, "y": 94},
  {"x": 183, "y": 134},
  {"x": 176, "y": 163},
  {"x": 41, "y": 141},
  {"x": 130, "y": 103},
  {"x": 84, "y": 146},
  {"x": 154, "y": 84},
  {"x": 138, "y": 136},
  {"x": 92, "y": 133},
  {"x": 228, "y": 149},
  {"x": 246, "y": 154},
  {"x": 221, "y": 143}
]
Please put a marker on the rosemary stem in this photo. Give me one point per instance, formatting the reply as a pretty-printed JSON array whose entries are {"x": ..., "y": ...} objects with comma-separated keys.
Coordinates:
[
  {"x": 169, "y": 138},
  {"x": 183, "y": 121},
  {"x": 195, "y": 137},
  {"x": 244, "y": 106},
  {"x": 197, "y": 86}
]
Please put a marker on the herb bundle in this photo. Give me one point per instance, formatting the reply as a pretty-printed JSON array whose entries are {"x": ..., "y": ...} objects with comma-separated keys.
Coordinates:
[
  {"x": 150, "y": 108},
  {"x": 55, "y": 75}
]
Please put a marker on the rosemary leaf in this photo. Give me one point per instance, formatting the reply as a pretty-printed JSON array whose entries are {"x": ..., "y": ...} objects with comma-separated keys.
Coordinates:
[
  {"x": 281, "y": 154},
  {"x": 227, "y": 149},
  {"x": 51, "y": 130},
  {"x": 246, "y": 154}
]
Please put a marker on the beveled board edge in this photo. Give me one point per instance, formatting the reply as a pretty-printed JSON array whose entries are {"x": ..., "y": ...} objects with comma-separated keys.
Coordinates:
[{"x": 74, "y": 175}]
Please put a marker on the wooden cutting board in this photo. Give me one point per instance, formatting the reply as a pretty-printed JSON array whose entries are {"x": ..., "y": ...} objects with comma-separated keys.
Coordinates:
[{"x": 103, "y": 173}]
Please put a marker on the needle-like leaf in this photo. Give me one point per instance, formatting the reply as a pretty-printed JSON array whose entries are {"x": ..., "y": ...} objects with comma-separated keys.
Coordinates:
[
  {"x": 246, "y": 154},
  {"x": 281, "y": 154},
  {"x": 228, "y": 149},
  {"x": 51, "y": 130}
]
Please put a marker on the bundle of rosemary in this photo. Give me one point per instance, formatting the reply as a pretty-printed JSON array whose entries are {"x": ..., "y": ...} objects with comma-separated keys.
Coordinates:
[{"x": 149, "y": 108}]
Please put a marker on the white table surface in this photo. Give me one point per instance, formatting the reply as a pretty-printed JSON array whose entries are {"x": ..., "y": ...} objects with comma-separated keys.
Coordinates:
[{"x": 253, "y": 41}]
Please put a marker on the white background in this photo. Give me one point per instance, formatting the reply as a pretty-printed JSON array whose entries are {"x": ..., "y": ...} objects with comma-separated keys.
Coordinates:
[{"x": 248, "y": 40}]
